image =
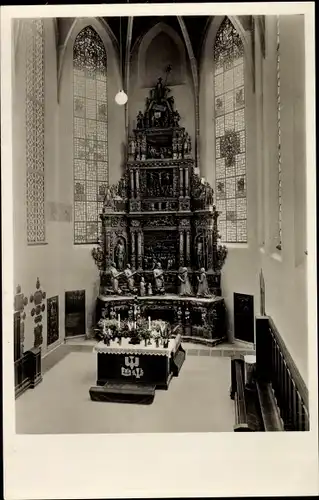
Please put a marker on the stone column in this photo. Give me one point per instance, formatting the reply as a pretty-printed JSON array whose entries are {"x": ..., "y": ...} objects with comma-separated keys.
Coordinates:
[
  {"x": 133, "y": 249},
  {"x": 139, "y": 249},
  {"x": 132, "y": 183},
  {"x": 181, "y": 182},
  {"x": 186, "y": 182},
  {"x": 188, "y": 247},
  {"x": 181, "y": 247},
  {"x": 137, "y": 182}
]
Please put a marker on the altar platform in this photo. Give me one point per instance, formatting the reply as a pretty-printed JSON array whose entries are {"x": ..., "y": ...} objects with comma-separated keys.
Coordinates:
[{"x": 201, "y": 318}]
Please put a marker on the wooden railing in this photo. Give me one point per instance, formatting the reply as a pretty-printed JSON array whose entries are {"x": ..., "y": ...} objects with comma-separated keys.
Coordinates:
[{"x": 275, "y": 366}]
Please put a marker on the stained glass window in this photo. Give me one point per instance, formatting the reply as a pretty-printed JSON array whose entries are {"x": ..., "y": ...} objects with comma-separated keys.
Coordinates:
[
  {"x": 230, "y": 134},
  {"x": 34, "y": 116},
  {"x": 90, "y": 134},
  {"x": 279, "y": 140}
]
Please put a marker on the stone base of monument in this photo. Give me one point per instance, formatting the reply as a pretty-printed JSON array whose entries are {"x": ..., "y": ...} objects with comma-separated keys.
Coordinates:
[{"x": 123, "y": 393}]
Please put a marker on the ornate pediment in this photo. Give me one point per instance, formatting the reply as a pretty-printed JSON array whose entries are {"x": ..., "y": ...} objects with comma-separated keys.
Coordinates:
[{"x": 159, "y": 109}]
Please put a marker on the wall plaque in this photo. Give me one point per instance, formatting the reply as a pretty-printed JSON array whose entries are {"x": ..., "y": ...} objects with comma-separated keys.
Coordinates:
[{"x": 52, "y": 319}]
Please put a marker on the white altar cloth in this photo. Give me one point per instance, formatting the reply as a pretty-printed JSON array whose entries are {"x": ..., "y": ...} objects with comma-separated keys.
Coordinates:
[{"x": 139, "y": 349}]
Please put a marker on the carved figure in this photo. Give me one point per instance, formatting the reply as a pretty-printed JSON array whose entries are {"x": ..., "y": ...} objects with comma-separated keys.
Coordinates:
[
  {"x": 132, "y": 148},
  {"x": 130, "y": 280},
  {"x": 189, "y": 145},
  {"x": 142, "y": 287},
  {"x": 208, "y": 194},
  {"x": 159, "y": 278},
  {"x": 149, "y": 289},
  {"x": 140, "y": 120},
  {"x": 203, "y": 290},
  {"x": 200, "y": 253},
  {"x": 176, "y": 118},
  {"x": 119, "y": 255},
  {"x": 179, "y": 315},
  {"x": 185, "y": 286},
  {"x": 187, "y": 316},
  {"x": 115, "y": 279},
  {"x": 112, "y": 313}
]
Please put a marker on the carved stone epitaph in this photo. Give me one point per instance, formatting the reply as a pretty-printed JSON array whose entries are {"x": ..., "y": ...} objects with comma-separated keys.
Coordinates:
[{"x": 36, "y": 299}]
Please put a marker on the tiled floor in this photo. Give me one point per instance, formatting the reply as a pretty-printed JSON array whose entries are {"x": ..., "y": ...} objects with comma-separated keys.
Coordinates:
[{"x": 198, "y": 400}]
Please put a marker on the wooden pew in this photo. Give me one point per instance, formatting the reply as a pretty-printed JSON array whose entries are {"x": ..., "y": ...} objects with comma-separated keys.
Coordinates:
[{"x": 256, "y": 409}]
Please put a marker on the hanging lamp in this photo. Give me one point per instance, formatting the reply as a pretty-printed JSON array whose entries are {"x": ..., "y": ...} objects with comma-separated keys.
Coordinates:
[{"x": 121, "y": 97}]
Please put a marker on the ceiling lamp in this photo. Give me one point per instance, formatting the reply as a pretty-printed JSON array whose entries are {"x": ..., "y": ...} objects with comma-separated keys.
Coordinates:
[{"x": 121, "y": 98}]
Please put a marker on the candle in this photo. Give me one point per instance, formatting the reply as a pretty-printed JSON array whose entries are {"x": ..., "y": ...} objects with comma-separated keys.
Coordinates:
[
  {"x": 149, "y": 322},
  {"x": 119, "y": 320},
  {"x": 134, "y": 325}
]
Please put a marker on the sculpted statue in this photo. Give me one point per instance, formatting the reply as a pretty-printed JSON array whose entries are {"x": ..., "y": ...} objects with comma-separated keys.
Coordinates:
[
  {"x": 132, "y": 149},
  {"x": 115, "y": 279},
  {"x": 189, "y": 145},
  {"x": 142, "y": 287},
  {"x": 200, "y": 253},
  {"x": 176, "y": 118},
  {"x": 119, "y": 255},
  {"x": 203, "y": 290},
  {"x": 159, "y": 278},
  {"x": 140, "y": 120},
  {"x": 208, "y": 194},
  {"x": 185, "y": 286},
  {"x": 130, "y": 280},
  {"x": 149, "y": 289}
]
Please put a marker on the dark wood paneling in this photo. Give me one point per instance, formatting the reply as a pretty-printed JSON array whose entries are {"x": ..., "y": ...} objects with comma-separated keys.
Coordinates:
[
  {"x": 75, "y": 313},
  {"x": 244, "y": 317}
]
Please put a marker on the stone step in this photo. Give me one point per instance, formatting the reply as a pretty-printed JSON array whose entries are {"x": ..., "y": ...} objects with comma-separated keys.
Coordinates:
[{"x": 123, "y": 393}]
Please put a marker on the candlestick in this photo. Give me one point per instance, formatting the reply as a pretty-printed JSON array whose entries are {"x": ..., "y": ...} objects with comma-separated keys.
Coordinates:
[
  {"x": 149, "y": 322},
  {"x": 134, "y": 325},
  {"x": 119, "y": 320}
]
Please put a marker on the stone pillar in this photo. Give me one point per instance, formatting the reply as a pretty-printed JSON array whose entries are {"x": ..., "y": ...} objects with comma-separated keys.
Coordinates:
[
  {"x": 181, "y": 182},
  {"x": 186, "y": 182},
  {"x": 133, "y": 248},
  {"x": 188, "y": 247},
  {"x": 139, "y": 249},
  {"x": 181, "y": 247},
  {"x": 132, "y": 183},
  {"x": 137, "y": 182},
  {"x": 210, "y": 253}
]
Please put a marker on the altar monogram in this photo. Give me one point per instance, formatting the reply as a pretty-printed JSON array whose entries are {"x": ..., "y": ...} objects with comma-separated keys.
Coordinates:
[{"x": 132, "y": 367}]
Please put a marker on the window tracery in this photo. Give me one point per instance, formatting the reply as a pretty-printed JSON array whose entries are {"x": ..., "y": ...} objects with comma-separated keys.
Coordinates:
[
  {"x": 230, "y": 134},
  {"x": 90, "y": 134},
  {"x": 34, "y": 116}
]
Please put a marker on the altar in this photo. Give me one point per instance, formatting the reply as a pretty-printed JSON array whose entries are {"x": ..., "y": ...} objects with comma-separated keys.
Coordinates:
[{"x": 127, "y": 371}]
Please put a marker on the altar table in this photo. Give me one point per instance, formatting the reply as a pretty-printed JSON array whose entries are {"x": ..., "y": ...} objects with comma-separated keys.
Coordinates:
[{"x": 139, "y": 364}]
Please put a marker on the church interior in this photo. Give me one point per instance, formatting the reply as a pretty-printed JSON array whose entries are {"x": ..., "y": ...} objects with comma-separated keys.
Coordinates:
[{"x": 160, "y": 245}]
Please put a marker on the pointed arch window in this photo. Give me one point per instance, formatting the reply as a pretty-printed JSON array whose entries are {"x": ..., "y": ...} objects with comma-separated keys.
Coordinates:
[
  {"x": 34, "y": 116},
  {"x": 230, "y": 134},
  {"x": 90, "y": 159}
]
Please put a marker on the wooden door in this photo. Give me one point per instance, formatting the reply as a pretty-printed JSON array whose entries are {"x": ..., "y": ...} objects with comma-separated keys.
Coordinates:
[
  {"x": 244, "y": 317},
  {"x": 75, "y": 313}
]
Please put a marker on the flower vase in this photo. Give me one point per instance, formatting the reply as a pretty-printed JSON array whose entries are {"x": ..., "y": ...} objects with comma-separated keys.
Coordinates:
[
  {"x": 145, "y": 342},
  {"x": 157, "y": 342},
  {"x": 106, "y": 341},
  {"x": 120, "y": 340},
  {"x": 165, "y": 344}
]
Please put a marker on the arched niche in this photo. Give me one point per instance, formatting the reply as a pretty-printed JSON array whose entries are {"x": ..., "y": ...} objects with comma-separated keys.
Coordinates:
[{"x": 160, "y": 47}]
